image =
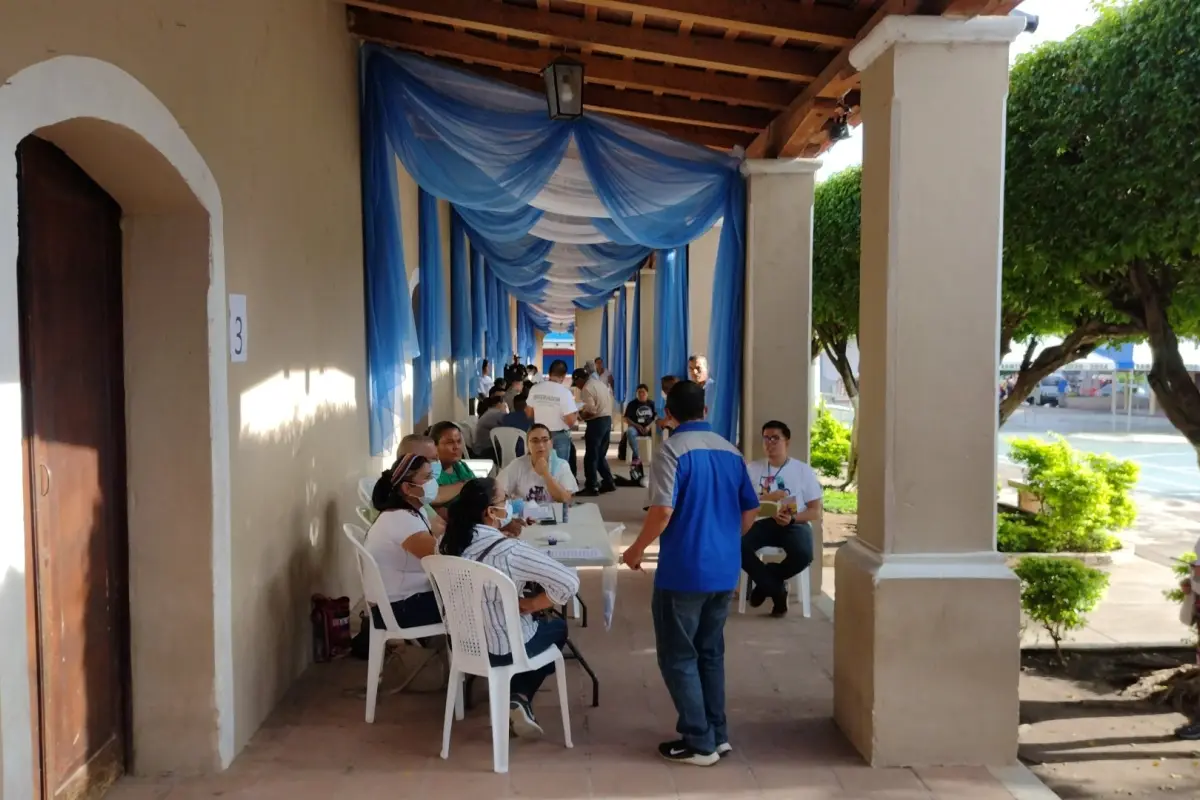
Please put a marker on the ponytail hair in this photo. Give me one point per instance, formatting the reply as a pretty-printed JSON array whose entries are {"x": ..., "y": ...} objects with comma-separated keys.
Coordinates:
[{"x": 465, "y": 512}]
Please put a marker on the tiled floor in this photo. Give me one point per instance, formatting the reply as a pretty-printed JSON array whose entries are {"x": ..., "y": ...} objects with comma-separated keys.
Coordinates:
[{"x": 316, "y": 744}]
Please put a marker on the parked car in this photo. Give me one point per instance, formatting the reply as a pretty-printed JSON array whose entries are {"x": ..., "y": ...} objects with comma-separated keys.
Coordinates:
[
  {"x": 1046, "y": 393},
  {"x": 1107, "y": 389}
]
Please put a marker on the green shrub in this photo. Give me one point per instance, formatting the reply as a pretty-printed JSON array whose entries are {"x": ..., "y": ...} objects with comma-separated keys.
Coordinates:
[
  {"x": 1084, "y": 498},
  {"x": 839, "y": 502},
  {"x": 1183, "y": 571},
  {"x": 1018, "y": 533},
  {"x": 829, "y": 444},
  {"x": 1059, "y": 593}
]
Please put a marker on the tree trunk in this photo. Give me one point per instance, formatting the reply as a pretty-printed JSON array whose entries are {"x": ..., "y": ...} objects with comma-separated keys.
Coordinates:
[
  {"x": 836, "y": 350},
  {"x": 1075, "y": 345},
  {"x": 1169, "y": 379}
]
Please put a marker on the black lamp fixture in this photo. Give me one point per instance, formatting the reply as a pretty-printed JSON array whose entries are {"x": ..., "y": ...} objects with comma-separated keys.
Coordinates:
[
  {"x": 840, "y": 127},
  {"x": 564, "y": 88}
]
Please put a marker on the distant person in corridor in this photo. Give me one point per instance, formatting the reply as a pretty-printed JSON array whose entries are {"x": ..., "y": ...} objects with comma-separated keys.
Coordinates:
[
  {"x": 793, "y": 485},
  {"x": 701, "y": 502}
]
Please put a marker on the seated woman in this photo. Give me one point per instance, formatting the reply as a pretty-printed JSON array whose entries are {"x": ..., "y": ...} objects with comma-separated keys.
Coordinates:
[
  {"x": 400, "y": 538},
  {"x": 541, "y": 476},
  {"x": 474, "y": 532}
]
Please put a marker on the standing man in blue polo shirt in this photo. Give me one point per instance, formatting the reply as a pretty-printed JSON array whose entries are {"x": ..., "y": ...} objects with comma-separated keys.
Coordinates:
[{"x": 701, "y": 502}]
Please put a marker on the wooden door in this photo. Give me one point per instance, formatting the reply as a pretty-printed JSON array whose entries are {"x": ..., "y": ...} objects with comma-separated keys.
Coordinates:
[{"x": 69, "y": 279}]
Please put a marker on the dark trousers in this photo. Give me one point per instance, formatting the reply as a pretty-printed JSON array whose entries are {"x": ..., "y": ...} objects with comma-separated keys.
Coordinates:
[
  {"x": 595, "y": 457},
  {"x": 550, "y": 633},
  {"x": 412, "y": 612},
  {"x": 796, "y": 543},
  {"x": 689, "y": 634}
]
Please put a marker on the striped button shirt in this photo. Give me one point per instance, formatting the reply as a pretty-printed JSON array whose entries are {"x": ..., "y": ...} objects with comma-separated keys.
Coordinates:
[{"x": 524, "y": 564}]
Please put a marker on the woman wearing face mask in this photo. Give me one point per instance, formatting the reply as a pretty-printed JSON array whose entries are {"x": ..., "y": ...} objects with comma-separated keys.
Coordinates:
[
  {"x": 400, "y": 538},
  {"x": 474, "y": 532}
]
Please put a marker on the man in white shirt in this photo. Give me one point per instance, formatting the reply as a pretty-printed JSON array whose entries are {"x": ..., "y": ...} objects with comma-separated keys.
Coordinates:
[
  {"x": 555, "y": 407},
  {"x": 794, "y": 487},
  {"x": 597, "y": 402},
  {"x": 486, "y": 381}
]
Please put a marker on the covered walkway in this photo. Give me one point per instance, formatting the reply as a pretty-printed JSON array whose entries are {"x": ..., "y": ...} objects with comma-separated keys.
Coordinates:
[{"x": 780, "y": 688}]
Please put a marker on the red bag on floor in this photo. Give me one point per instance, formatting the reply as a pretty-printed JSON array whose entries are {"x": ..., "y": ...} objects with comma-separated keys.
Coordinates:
[{"x": 331, "y": 627}]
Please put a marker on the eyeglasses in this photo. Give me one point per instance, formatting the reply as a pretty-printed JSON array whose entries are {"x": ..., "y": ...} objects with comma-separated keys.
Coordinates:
[
  {"x": 539, "y": 441},
  {"x": 772, "y": 439}
]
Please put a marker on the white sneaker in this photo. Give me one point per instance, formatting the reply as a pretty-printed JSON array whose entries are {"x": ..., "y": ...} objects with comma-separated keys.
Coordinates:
[{"x": 724, "y": 749}]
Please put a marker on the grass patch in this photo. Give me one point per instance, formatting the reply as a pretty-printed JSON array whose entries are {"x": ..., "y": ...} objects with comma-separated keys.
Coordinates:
[{"x": 839, "y": 502}]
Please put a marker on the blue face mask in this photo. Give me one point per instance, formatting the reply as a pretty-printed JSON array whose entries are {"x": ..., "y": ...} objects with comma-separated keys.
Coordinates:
[
  {"x": 431, "y": 490},
  {"x": 508, "y": 513},
  {"x": 437, "y": 469}
]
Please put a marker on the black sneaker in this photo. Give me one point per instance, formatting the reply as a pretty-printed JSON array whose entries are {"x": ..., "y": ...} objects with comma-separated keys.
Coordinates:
[
  {"x": 781, "y": 606},
  {"x": 588, "y": 493},
  {"x": 1189, "y": 732},
  {"x": 608, "y": 488},
  {"x": 524, "y": 724},
  {"x": 757, "y": 596},
  {"x": 724, "y": 749},
  {"x": 680, "y": 753}
]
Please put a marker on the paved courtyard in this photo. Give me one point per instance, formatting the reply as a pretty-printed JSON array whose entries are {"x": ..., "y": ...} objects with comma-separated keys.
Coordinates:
[{"x": 316, "y": 744}]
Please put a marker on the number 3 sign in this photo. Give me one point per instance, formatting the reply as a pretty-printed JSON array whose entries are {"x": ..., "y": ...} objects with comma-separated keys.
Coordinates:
[{"x": 237, "y": 327}]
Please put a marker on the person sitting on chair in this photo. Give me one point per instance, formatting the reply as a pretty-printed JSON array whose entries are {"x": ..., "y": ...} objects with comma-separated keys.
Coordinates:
[
  {"x": 541, "y": 477},
  {"x": 793, "y": 485},
  {"x": 455, "y": 472},
  {"x": 474, "y": 532},
  {"x": 491, "y": 415},
  {"x": 401, "y": 537},
  {"x": 639, "y": 420},
  {"x": 413, "y": 444}
]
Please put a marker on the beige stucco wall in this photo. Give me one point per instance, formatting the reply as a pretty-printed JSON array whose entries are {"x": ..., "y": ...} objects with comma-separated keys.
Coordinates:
[
  {"x": 266, "y": 92},
  {"x": 702, "y": 265}
]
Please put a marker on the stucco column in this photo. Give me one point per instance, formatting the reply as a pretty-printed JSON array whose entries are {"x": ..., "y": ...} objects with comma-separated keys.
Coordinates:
[
  {"x": 646, "y": 344},
  {"x": 587, "y": 335},
  {"x": 702, "y": 266},
  {"x": 778, "y": 328},
  {"x": 539, "y": 343},
  {"x": 926, "y": 647}
]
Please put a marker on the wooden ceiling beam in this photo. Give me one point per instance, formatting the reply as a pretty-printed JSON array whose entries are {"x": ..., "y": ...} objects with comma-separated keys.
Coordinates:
[
  {"x": 822, "y": 25},
  {"x": 392, "y": 30},
  {"x": 642, "y": 106},
  {"x": 717, "y": 138},
  {"x": 646, "y": 43},
  {"x": 790, "y": 134}
]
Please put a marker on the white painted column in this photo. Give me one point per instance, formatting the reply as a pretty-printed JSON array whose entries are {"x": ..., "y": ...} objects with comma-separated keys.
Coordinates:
[
  {"x": 646, "y": 357},
  {"x": 927, "y": 613},
  {"x": 778, "y": 327},
  {"x": 702, "y": 267},
  {"x": 587, "y": 335}
]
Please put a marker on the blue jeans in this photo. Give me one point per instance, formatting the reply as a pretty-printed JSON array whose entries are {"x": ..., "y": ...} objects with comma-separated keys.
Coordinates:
[
  {"x": 595, "y": 458},
  {"x": 550, "y": 633},
  {"x": 689, "y": 634},
  {"x": 631, "y": 441},
  {"x": 561, "y": 442}
]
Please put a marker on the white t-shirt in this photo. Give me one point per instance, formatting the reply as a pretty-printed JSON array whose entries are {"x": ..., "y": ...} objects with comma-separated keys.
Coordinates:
[
  {"x": 794, "y": 477},
  {"x": 519, "y": 481},
  {"x": 401, "y": 570},
  {"x": 486, "y": 382},
  {"x": 551, "y": 401}
]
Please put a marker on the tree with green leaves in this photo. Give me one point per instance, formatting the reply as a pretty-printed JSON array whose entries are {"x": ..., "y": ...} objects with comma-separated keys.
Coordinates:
[
  {"x": 837, "y": 215},
  {"x": 1103, "y": 190}
]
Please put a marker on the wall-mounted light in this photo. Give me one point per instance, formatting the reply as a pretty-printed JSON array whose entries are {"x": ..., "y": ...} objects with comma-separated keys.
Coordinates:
[
  {"x": 564, "y": 88},
  {"x": 840, "y": 127}
]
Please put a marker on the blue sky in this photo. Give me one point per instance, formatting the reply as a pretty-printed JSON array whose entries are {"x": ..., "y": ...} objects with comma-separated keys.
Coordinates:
[{"x": 1057, "y": 20}]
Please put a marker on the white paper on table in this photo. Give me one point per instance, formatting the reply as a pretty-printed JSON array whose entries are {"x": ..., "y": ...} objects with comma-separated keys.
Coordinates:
[
  {"x": 609, "y": 589},
  {"x": 535, "y": 512}
]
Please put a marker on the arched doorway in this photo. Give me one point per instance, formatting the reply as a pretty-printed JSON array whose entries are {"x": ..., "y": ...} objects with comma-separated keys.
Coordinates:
[{"x": 136, "y": 489}]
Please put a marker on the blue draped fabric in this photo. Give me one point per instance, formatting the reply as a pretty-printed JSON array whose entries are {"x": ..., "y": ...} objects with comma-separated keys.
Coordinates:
[
  {"x": 494, "y": 351},
  {"x": 461, "y": 334},
  {"x": 620, "y": 351},
  {"x": 635, "y": 345},
  {"x": 604, "y": 332},
  {"x": 432, "y": 325},
  {"x": 479, "y": 317},
  {"x": 728, "y": 321},
  {"x": 491, "y": 150},
  {"x": 391, "y": 331},
  {"x": 670, "y": 314},
  {"x": 505, "y": 337}
]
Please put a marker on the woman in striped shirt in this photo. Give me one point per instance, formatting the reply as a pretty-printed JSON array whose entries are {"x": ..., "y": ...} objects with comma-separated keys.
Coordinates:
[{"x": 473, "y": 531}]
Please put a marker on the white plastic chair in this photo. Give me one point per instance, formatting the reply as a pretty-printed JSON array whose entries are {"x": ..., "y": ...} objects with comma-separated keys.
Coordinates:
[
  {"x": 460, "y": 584},
  {"x": 801, "y": 584},
  {"x": 504, "y": 442},
  {"x": 376, "y": 595},
  {"x": 366, "y": 486},
  {"x": 367, "y": 516},
  {"x": 467, "y": 428}
]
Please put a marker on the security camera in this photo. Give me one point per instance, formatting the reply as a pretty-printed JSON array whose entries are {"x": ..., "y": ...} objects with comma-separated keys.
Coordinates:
[{"x": 1031, "y": 20}]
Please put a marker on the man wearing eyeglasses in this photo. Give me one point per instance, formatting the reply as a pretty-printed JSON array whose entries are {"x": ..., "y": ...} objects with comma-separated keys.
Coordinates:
[{"x": 793, "y": 487}]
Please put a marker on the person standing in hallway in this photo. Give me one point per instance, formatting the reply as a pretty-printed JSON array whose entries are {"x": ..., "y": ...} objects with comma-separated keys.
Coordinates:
[
  {"x": 597, "y": 409},
  {"x": 698, "y": 372},
  {"x": 486, "y": 380},
  {"x": 701, "y": 503},
  {"x": 792, "y": 484},
  {"x": 554, "y": 406}
]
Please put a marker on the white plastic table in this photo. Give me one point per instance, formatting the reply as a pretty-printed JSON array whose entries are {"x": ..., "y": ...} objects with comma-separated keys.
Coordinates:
[{"x": 481, "y": 467}]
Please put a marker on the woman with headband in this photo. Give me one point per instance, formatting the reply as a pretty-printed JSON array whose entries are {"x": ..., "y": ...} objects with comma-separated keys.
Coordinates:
[{"x": 401, "y": 537}]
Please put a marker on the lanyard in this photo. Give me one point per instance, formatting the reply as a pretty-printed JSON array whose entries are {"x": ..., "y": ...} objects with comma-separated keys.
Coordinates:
[{"x": 776, "y": 475}]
